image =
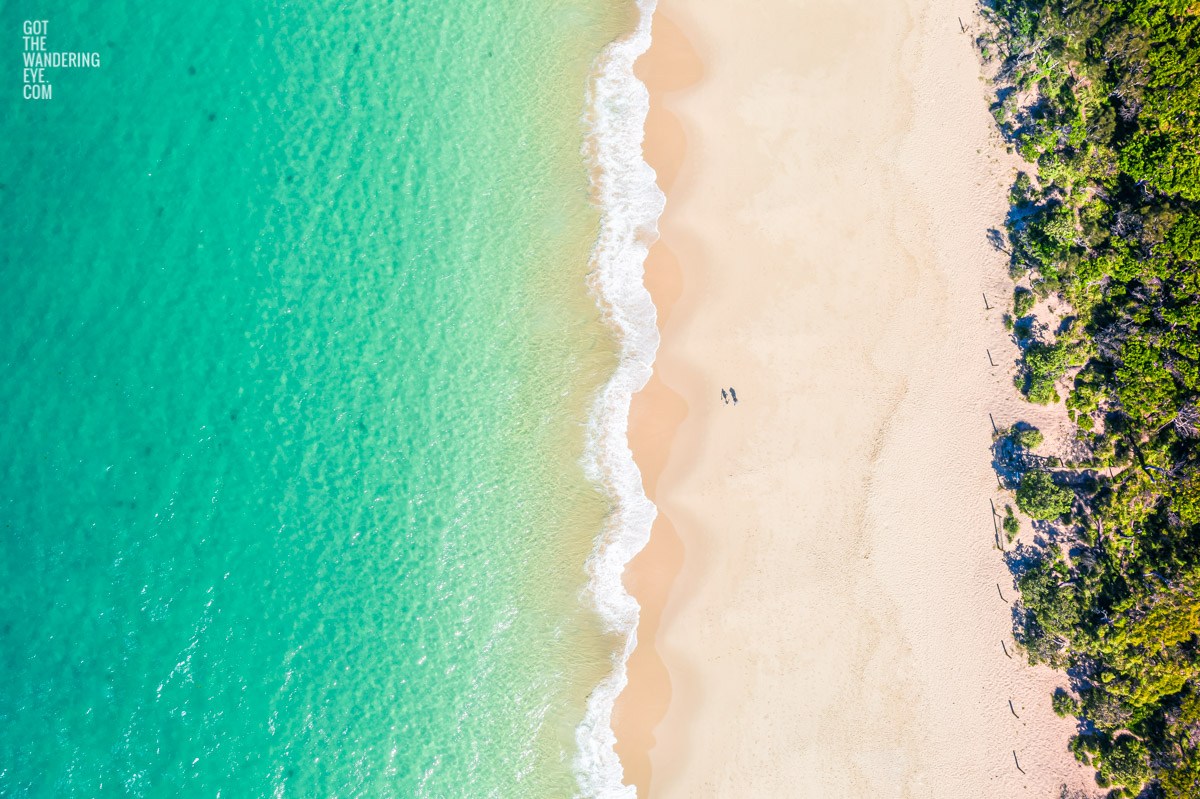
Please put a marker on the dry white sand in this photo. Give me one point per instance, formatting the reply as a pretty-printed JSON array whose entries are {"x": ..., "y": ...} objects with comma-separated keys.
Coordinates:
[{"x": 835, "y": 627}]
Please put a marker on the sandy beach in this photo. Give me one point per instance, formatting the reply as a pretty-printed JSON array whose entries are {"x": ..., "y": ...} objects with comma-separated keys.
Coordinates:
[{"x": 825, "y": 613}]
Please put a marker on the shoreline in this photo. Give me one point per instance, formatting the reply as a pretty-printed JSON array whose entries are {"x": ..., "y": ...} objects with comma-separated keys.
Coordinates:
[
  {"x": 622, "y": 187},
  {"x": 817, "y": 554},
  {"x": 656, "y": 412}
]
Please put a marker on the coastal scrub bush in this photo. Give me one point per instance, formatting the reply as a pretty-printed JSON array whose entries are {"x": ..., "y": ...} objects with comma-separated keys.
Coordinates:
[
  {"x": 1011, "y": 524},
  {"x": 1041, "y": 391},
  {"x": 1030, "y": 438},
  {"x": 1023, "y": 330},
  {"x": 1023, "y": 301},
  {"x": 1039, "y": 498},
  {"x": 1146, "y": 388},
  {"x": 1057, "y": 230},
  {"x": 1019, "y": 195},
  {"x": 1064, "y": 704},
  {"x": 1186, "y": 499},
  {"x": 1182, "y": 782},
  {"x": 1125, "y": 762},
  {"x": 1045, "y": 363},
  {"x": 1085, "y": 747},
  {"x": 1051, "y": 613}
]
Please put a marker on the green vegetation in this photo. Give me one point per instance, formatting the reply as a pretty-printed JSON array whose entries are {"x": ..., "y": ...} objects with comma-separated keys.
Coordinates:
[
  {"x": 1182, "y": 782},
  {"x": 1045, "y": 363},
  {"x": 1021, "y": 191},
  {"x": 1039, "y": 498},
  {"x": 1064, "y": 704},
  {"x": 1185, "y": 499},
  {"x": 1102, "y": 97},
  {"x": 1011, "y": 524},
  {"x": 1023, "y": 301},
  {"x": 1123, "y": 762},
  {"x": 1029, "y": 438}
]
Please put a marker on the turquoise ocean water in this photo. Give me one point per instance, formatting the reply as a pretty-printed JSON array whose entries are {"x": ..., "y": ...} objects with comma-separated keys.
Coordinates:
[{"x": 296, "y": 359}]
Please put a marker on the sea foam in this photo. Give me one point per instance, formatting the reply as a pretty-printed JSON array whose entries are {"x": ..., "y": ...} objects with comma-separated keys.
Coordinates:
[{"x": 624, "y": 188}]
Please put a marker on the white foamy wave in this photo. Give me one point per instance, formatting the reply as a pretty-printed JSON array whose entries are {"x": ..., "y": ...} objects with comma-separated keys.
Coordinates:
[{"x": 623, "y": 186}]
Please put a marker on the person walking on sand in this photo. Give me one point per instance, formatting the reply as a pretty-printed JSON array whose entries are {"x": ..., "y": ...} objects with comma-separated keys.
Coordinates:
[
  {"x": 724, "y": 397},
  {"x": 733, "y": 394}
]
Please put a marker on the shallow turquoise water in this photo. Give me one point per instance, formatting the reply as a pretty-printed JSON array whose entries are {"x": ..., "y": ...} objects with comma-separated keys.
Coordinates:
[{"x": 296, "y": 352}]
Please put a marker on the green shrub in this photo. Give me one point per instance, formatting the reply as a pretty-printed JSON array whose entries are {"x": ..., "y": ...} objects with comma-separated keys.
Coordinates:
[
  {"x": 1081, "y": 747},
  {"x": 1042, "y": 391},
  {"x": 1126, "y": 762},
  {"x": 1039, "y": 498},
  {"x": 1031, "y": 438},
  {"x": 1023, "y": 301},
  {"x": 1011, "y": 526},
  {"x": 1183, "y": 782},
  {"x": 1045, "y": 364},
  {"x": 1021, "y": 188},
  {"x": 1064, "y": 704},
  {"x": 1186, "y": 498},
  {"x": 1058, "y": 228}
]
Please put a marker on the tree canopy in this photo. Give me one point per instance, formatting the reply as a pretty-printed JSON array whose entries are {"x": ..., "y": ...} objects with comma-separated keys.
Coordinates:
[{"x": 1102, "y": 98}]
